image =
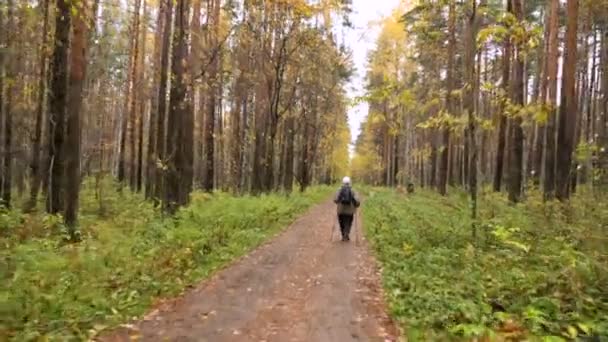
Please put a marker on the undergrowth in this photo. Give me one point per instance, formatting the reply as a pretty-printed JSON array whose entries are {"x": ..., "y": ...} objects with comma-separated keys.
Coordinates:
[
  {"x": 534, "y": 270},
  {"x": 129, "y": 258}
]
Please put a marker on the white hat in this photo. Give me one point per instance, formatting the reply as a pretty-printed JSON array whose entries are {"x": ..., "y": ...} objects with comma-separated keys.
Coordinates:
[{"x": 346, "y": 180}]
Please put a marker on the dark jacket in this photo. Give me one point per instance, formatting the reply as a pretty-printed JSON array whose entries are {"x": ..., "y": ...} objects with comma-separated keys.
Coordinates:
[{"x": 349, "y": 209}]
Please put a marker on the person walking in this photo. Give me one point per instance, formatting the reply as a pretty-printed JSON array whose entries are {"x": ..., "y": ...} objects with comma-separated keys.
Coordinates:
[{"x": 347, "y": 202}]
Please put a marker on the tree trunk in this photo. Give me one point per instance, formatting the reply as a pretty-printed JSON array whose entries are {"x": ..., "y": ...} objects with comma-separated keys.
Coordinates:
[
  {"x": 78, "y": 66},
  {"x": 443, "y": 165},
  {"x": 469, "y": 106},
  {"x": 2, "y": 75},
  {"x": 502, "y": 125},
  {"x": 196, "y": 31},
  {"x": 57, "y": 107},
  {"x": 433, "y": 170},
  {"x": 142, "y": 101},
  {"x": 289, "y": 154},
  {"x": 154, "y": 103},
  {"x": 37, "y": 143},
  {"x": 603, "y": 122},
  {"x": 516, "y": 137},
  {"x": 10, "y": 74},
  {"x": 134, "y": 100},
  {"x": 551, "y": 78},
  {"x": 178, "y": 109},
  {"x": 568, "y": 107},
  {"x": 212, "y": 86},
  {"x": 160, "y": 161},
  {"x": 129, "y": 108}
]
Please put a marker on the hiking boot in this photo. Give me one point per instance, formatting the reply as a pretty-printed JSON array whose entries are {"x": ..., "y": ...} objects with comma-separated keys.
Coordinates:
[{"x": 347, "y": 238}]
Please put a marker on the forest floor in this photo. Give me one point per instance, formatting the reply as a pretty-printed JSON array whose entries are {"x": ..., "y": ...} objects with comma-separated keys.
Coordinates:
[{"x": 297, "y": 287}]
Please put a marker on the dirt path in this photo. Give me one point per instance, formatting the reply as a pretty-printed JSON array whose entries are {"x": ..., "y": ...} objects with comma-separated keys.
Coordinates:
[{"x": 298, "y": 287}]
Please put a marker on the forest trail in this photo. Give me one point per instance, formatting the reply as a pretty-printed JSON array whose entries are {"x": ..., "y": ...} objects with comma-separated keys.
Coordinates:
[{"x": 297, "y": 287}]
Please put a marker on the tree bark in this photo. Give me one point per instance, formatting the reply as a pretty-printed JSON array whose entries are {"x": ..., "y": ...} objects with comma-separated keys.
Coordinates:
[
  {"x": 134, "y": 100},
  {"x": 502, "y": 125},
  {"x": 568, "y": 108},
  {"x": 212, "y": 86},
  {"x": 516, "y": 138},
  {"x": 443, "y": 165},
  {"x": 178, "y": 108},
  {"x": 10, "y": 74},
  {"x": 78, "y": 65},
  {"x": 129, "y": 108},
  {"x": 551, "y": 78},
  {"x": 57, "y": 107},
  {"x": 154, "y": 103},
  {"x": 160, "y": 161},
  {"x": 142, "y": 101},
  {"x": 469, "y": 106},
  {"x": 37, "y": 143}
]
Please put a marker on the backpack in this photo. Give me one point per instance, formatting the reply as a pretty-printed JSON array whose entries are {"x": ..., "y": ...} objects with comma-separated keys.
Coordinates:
[{"x": 346, "y": 196}]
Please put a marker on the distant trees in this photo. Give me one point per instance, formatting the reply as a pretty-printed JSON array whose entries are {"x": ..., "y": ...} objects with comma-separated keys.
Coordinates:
[
  {"x": 491, "y": 113},
  {"x": 242, "y": 96}
]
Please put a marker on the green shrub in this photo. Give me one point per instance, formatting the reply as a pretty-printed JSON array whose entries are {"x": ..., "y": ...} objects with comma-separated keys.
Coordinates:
[
  {"x": 541, "y": 268},
  {"x": 128, "y": 258}
]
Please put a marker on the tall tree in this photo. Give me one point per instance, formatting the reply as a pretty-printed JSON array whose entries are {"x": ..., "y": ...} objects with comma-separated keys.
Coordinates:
[
  {"x": 213, "y": 8},
  {"x": 57, "y": 107},
  {"x": 10, "y": 75},
  {"x": 128, "y": 112},
  {"x": 516, "y": 136},
  {"x": 502, "y": 125},
  {"x": 141, "y": 112},
  {"x": 178, "y": 109},
  {"x": 443, "y": 167},
  {"x": 40, "y": 107},
  {"x": 162, "y": 102},
  {"x": 551, "y": 108},
  {"x": 153, "y": 124},
  {"x": 78, "y": 65},
  {"x": 469, "y": 103},
  {"x": 568, "y": 106}
]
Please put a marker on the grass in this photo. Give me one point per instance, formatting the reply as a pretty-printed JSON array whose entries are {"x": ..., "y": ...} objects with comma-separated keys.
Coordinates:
[
  {"x": 129, "y": 258},
  {"x": 534, "y": 271}
]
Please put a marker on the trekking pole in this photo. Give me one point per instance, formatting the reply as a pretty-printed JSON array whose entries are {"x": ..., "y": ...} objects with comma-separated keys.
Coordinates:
[
  {"x": 333, "y": 228},
  {"x": 357, "y": 227}
]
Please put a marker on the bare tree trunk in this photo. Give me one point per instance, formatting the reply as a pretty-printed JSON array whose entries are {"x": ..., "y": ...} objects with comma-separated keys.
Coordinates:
[
  {"x": 130, "y": 100},
  {"x": 469, "y": 106},
  {"x": 443, "y": 165},
  {"x": 37, "y": 143},
  {"x": 568, "y": 107},
  {"x": 433, "y": 170},
  {"x": 10, "y": 73},
  {"x": 57, "y": 107},
  {"x": 502, "y": 126},
  {"x": 212, "y": 87},
  {"x": 289, "y": 155},
  {"x": 517, "y": 135},
  {"x": 142, "y": 101},
  {"x": 78, "y": 65},
  {"x": 135, "y": 101},
  {"x": 162, "y": 103},
  {"x": 551, "y": 78},
  {"x": 187, "y": 127},
  {"x": 154, "y": 102},
  {"x": 178, "y": 108},
  {"x": 2, "y": 75}
]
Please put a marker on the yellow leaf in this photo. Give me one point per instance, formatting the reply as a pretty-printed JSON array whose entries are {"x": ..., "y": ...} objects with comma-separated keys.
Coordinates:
[{"x": 572, "y": 332}]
